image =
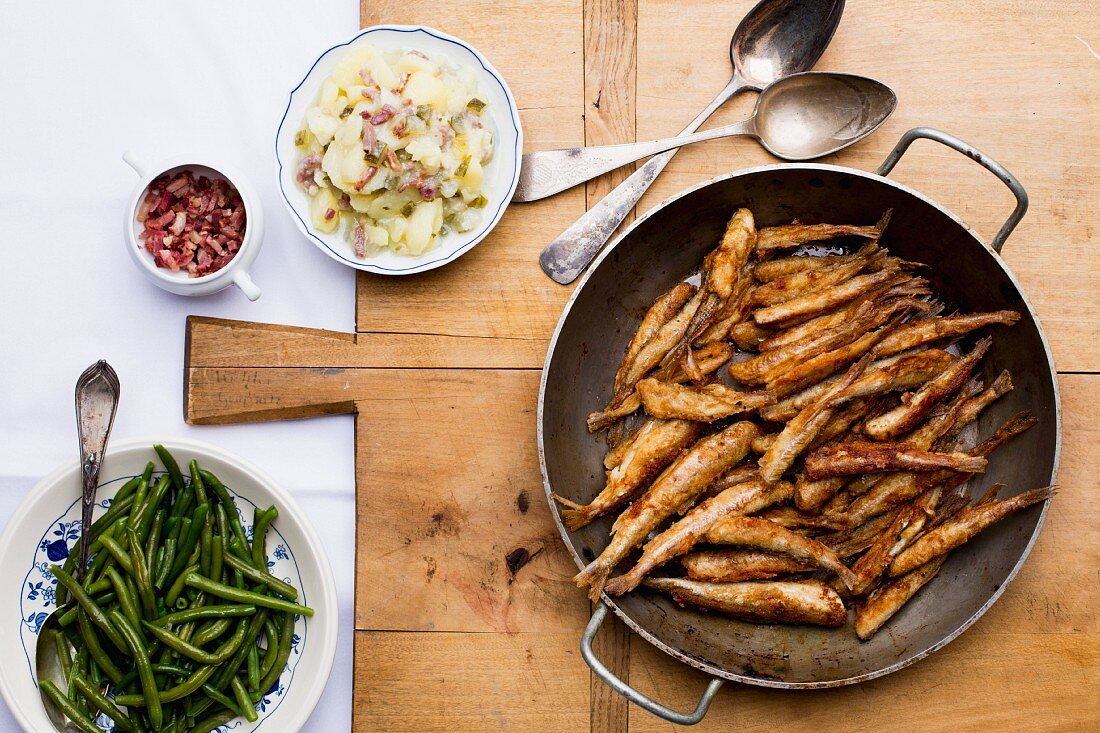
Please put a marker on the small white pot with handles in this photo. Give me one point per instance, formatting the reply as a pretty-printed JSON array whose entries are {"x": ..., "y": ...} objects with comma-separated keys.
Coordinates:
[{"x": 236, "y": 271}]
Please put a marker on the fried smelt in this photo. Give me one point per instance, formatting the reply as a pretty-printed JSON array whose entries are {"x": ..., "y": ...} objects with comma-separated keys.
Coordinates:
[
  {"x": 811, "y": 304},
  {"x": 961, "y": 528},
  {"x": 894, "y": 374},
  {"x": 762, "y": 534},
  {"x": 733, "y": 566},
  {"x": 799, "y": 283},
  {"x": 723, "y": 269},
  {"x": 650, "y": 355},
  {"x": 770, "y": 270},
  {"x": 708, "y": 358},
  {"x": 729, "y": 315},
  {"x": 748, "y": 336},
  {"x": 811, "y": 494},
  {"x": 885, "y": 601},
  {"x": 801, "y": 430},
  {"x": 970, "y": 409},
  {"x": 873, "y": 563},
  {"x": 684, "y": 534},
  {"x": 846, "y": 543},
  {"x": 822, "y": 365},
  {"x": 859, "y": 456},
  {"x": 705, "y": 404},
  {"x": 792, "y": 518},
  {"x": 618, "y": 452},
  {"x": 762, "y": 602},
  {"x": 685, "y": 479},
  {"x": 769, "y": 364},
  {"x": 663, "y": 310},
  {"x": 910, "y": 414},
  {"x": 936, "y": 329},
  {"x": 770, "y": 239},
  {"x": 657, "y": 445}
]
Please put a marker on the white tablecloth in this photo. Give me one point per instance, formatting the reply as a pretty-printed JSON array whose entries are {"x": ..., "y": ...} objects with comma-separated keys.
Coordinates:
[{"x": 82, "y": 82}]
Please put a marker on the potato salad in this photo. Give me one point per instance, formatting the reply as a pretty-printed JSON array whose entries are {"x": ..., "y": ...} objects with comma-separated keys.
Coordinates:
[{"x": 394, "y": 151}]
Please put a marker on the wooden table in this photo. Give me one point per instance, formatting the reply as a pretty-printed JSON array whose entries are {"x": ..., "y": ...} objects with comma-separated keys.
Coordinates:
[{"x": 465, "y": 617}]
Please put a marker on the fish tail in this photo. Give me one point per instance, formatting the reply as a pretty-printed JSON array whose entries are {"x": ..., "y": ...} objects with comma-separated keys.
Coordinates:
[
  {"x": 883, "y": 222},
  {"x": 622, "y": 584},
  {"x": 595, "y": 577},
  {"x": 1035, "y": 496},
  {"x": 574, "y": 519}
]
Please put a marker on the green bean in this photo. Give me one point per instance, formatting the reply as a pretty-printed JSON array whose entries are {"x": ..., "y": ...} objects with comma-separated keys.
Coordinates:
[
  {"x": 211, "y": 630},
  {"x": 252, "y": 664},
  {"x": 100, "y": 701},
  {"x": 95, "y": 651},
  {"x": 188, "y": 542},
  {"x": 255, "y": 626},
  {"x": 148, "y": 510},
  {"x": 118, "y": 508},
  {"x": 144, "y": 667},
  {"x": 248, "y": 709},
  {"x": 261, "y": 576},
  {"x": 218, "y": 697},
  {"x": 139, "y": 502},
  {"x": 95, "y": 674},
  {"x": 121, "y": 556},
  {"x": 205, "y": 612},
  {"x": 230, "y": 593},
  {"x": 164, "y": 562},
  {"x": 222, "y": 493},
  {"x": 126, "y": 601},
  {"x": 177, "y": 587},
  {"x": 71, "y": 711},
  {"x": 95, "y": 613},
  {"x": 197, "y": 484},
  {"x": 98, "y": 587},
  {"x": 173, "y": 469},
  {"x": 178, "y": 645},
  {"x": 206, "y": 544},
  {"x": 216, "y": 559},
  {"x": 64, "y": 656},
  {"x": 158, "y": 668},
  {"x": 197, "y": 679},
  {"x": 214, "y": 721},
  {"x": 80, "y": 664},
  {"x": 141, "y": 576},
  {"x": 152, "y": 540},
  {"x": 259, "y": 535},
  {"x": 286, "y": 645},
  {"x": 271, "y": 631}
]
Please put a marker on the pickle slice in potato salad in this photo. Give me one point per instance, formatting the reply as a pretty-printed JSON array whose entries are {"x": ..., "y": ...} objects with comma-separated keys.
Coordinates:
[{"x": 394, "y": 151}]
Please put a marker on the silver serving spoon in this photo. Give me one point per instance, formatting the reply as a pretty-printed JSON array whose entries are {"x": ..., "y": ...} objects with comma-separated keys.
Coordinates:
[
  {"x": 97, "y": 392},
  {"x": 799, "y": 117},
  {"x": 776, "y": 39}
]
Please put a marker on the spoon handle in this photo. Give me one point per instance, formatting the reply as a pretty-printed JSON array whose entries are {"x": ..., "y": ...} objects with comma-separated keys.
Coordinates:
[
  {"x": 547, "y": 172},
  {"x": 571, "y": 251},
  {"x": 97, "y": 392}
]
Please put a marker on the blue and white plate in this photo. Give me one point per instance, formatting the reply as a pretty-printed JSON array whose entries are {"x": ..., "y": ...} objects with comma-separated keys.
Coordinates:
[
  {"x": 501, "y": 172},
  {"x": 45, "y": 529}
]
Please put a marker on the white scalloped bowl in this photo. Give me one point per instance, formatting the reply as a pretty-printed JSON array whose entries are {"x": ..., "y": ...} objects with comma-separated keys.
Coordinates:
[
  {"x": 501, "y": 172},
  {"x": 46, "y": 527}
]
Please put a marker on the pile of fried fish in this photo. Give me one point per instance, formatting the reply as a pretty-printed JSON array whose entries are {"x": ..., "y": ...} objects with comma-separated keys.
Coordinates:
[{"x": 833, "y": 471}]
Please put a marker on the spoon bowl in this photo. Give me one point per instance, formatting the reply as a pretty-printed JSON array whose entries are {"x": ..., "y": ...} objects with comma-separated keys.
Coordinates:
[{"x": 814, "y": 114}]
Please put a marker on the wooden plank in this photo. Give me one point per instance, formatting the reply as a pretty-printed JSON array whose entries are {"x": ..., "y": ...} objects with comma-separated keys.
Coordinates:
[
  {"x": 454, "y": 532},
  {"x": 217, "y": 342},
  {"x": 958, "y": 70},
  {"x": 610, "y": 77},
  {"x": 1034, "y": 656},
  {"x": 497, "y": 292},
  {"x": 458, "y": 683}
]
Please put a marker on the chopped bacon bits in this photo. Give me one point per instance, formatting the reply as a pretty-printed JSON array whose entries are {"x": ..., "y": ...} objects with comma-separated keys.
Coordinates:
[{"x": 192, "y": 224}]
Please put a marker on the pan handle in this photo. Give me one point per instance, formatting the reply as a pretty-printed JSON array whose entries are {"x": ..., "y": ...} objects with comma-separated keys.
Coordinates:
[
  {"x": 616, "y": 684},
  {"x": 978, "y": 157}
]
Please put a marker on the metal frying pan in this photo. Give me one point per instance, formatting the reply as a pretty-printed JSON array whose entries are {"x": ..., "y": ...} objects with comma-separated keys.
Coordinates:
[{"x": 667, "y": 244}]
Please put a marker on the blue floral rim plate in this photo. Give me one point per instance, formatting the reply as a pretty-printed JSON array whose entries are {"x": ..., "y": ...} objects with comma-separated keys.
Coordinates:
[
  {"x": 46, "y": 529},
  {"x": 501, "y": 173}
]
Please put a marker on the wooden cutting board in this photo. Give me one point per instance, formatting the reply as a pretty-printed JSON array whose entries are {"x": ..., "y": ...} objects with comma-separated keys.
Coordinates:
[{"x": 465, "y": 617}]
